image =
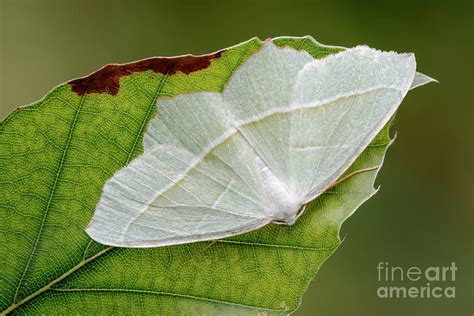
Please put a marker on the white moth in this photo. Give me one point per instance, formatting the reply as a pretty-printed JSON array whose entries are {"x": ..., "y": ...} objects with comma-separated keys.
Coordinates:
[{"x": 284, "y": 129}]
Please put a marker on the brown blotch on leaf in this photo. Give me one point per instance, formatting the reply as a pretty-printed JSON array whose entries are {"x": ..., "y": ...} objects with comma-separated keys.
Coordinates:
[{"x": 107, "y": 78}]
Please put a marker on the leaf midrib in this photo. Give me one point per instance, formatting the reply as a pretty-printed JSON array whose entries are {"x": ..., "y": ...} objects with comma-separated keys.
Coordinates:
[
  {"x": 84, "y": 262},
  {"x": 160, "y": 293},
  {"x": 55, "y": 281}
]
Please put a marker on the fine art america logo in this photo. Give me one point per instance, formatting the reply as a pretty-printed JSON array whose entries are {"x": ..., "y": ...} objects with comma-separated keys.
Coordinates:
[{"x": 416, "y": 282}]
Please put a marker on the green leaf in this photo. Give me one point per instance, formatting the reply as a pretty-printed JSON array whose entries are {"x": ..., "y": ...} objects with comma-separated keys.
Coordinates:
[{"x": 55, "y": 156}]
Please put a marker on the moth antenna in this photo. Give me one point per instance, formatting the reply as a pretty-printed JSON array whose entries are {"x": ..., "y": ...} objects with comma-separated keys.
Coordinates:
[{"x": 350, "y": 175}]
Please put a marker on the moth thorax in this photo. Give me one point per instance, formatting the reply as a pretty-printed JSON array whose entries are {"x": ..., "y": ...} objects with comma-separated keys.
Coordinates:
[{"x": 281, "y": 203}]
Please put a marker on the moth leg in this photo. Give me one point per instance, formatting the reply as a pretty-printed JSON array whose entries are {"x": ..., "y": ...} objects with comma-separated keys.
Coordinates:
[
  {"x": 350, "y": 175},
  {"x": 301, "y": 211},
  {"x": 212, "y": 243}
]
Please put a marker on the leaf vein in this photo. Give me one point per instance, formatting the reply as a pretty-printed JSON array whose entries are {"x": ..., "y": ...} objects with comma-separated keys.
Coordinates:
[{"x": 51, "y": 194}]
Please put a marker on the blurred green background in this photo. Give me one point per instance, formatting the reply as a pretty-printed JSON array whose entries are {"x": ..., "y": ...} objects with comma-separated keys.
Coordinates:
[{"x": 422, "y": 215}]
